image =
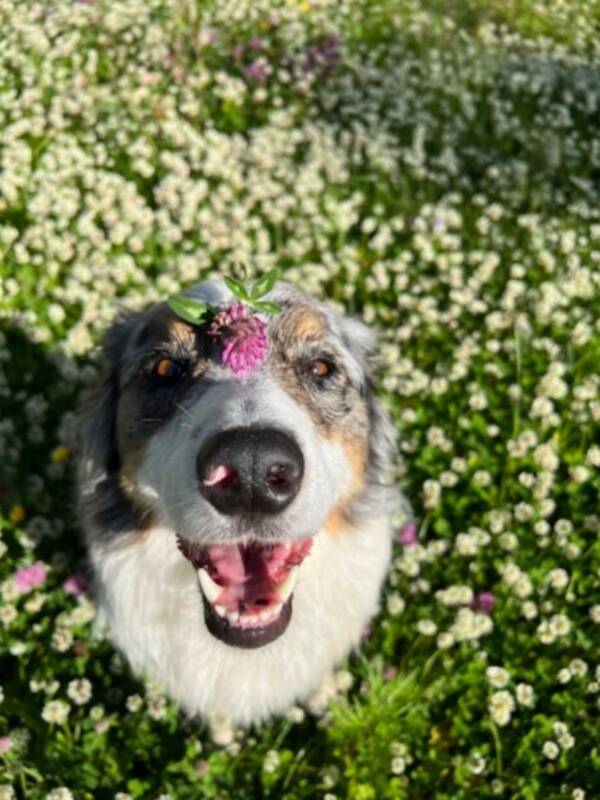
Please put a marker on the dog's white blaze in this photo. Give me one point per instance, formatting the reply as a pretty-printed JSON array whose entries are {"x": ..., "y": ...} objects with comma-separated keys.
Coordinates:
[{"x": 150, "y": 594}]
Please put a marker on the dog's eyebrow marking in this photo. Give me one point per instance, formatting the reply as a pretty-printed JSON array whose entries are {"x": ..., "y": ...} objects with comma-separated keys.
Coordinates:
[
  {"x": 181, "y": 331},
  {"x": 305, "y": 324}
]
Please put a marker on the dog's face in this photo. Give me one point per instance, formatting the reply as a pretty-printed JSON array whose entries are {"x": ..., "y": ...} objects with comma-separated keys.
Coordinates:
[{"x": 245, "y": 471}]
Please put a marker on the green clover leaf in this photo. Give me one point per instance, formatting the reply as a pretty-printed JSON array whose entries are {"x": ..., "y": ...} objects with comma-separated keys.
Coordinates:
[{"x": 193, "y": 311}]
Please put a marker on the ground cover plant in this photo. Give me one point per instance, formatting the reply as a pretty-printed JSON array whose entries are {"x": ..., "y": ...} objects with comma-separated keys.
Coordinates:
[{"x": 432, "y": 167}]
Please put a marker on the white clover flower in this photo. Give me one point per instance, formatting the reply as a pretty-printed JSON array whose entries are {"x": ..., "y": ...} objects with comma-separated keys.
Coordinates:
[
  {"x": 426, "y": 627},
  {"x": 545, "y": 633},
  {"x": 398, "y": 765},
  {"x": 579, "y": 473},
  {"x": 455, "y": 595},
  {"x": 8, "y": 614},
  {"x": 466, "y": 544},
  {"x": 296, "y": 715},
  {"x": 551, "y": 750},
  {"x": 62, "y": 793},
  {"x": 56, "y": 711},
  {"x": 592, "y": 457},
  {"x": 558, "y": 579},
  {"x": 133, "y": 703},
  {"x": 523, "y": 512},
  {"x": 594, "y": 613},
  {"x": 470, "y": 625},
  {"x": 511, "y": 573},
  {"x": 564, "y": 675},
  {"x": 271, "y": 761},
  {"x": 444, "y": 640},
  {"x": 560, "y": 625},
  {"x": 501, "y": 706},
  {"x": 61, "y": 641},
  {"x": 525, "y": 694},
  {"x": 395, "y": 604},
  {"x": 497, "y": 677},
  {"x": 157, "y": 707},
  {"x": 448, "y": 478},
  {"x": 343, "y": 680},
  {"x": 578, "y": 794},
  {"x": 566, "y": 741},
  {"x": 431, "y": 493},
  {"x": 80, "y": 691},
  {"x": 482, "y": 478},
  {"x": 578, "y": 667}
]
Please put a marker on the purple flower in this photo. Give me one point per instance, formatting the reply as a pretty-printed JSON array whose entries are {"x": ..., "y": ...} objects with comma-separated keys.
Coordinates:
[
  {"x": 390, "y": 672},
  {"x": 256, "y": 43},
  {"x": 30, "y": 577},
  {"x": 257, "y": 71},
  {"x": 484, "y": 602},
  {"x": 408, "y": 536},
  {"x": 75, "y": 584},
  {"x": 5, "y": 745},
  {"x": 322, "y": 55},
  {"x": 242, "y": 337}
]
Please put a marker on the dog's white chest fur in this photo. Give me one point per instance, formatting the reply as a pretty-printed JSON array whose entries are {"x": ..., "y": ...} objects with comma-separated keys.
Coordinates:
[{"x": 151, "y": 597}]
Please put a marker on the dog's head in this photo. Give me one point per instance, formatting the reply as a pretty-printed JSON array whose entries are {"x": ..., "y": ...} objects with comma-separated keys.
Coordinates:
[{"x": 244, "y": 471}]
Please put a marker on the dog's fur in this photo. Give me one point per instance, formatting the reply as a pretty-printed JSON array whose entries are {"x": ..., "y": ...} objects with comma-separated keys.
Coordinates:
[{"x": 138, "y": 490}]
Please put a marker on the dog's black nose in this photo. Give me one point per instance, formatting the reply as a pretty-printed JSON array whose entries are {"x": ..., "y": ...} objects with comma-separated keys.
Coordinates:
[{"x": 245, "y": 470}]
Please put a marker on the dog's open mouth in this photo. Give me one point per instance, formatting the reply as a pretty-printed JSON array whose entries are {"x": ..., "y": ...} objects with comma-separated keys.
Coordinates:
[{"x": 247, "y": 588}]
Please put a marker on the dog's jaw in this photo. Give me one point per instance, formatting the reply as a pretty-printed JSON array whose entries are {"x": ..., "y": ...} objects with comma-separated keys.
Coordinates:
[{"x": 155, "y": 613}]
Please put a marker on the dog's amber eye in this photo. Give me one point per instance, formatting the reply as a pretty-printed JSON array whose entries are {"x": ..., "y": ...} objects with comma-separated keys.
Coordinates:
[
  {"x": 168, "y": 370},
  {"x": 320, "y": 368}
]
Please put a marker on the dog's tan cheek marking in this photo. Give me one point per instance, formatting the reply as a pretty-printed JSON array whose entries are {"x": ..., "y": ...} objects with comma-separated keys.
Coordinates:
[{"x": 338, "y": 520}]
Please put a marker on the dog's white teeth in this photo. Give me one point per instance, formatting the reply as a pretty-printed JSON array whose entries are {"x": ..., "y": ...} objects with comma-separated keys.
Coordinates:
[
  {"x": 211, "y": 589},
  {"x": 233, "y": 616},
  {"x": 286, "y": 587},
  {"x": 277, "y": 609},
  {"x": 221, "y": 610}
]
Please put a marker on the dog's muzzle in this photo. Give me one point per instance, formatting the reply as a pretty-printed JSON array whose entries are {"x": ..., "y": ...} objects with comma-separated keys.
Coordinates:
[{"x": 247, "y": 586}]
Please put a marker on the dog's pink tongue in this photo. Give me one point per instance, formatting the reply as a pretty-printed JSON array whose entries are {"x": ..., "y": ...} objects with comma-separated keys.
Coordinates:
[{"x": 250, "y": 573}]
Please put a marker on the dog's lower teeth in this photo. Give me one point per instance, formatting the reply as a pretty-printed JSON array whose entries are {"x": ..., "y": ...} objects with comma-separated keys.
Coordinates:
[
  {"x": 221, "y": 610},
  {"x": 233, "y": 616}
]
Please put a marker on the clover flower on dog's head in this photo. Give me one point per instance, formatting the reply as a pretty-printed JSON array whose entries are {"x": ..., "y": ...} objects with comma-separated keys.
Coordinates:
[{"x": 242, "y": 337}]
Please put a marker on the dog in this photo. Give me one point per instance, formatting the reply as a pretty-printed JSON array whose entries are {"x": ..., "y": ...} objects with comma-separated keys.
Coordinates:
[{"x": 239, "y": 528}]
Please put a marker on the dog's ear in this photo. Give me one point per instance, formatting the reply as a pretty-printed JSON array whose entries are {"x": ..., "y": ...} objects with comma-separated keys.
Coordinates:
[
  {"x": 95, "y": 438},
  {"x": 383, "y": 452}
]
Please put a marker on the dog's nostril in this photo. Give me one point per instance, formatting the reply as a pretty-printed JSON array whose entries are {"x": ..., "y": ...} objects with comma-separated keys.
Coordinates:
[
  {"x": 222, "y": 476},
  {"x": 278, "y": 476}
]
